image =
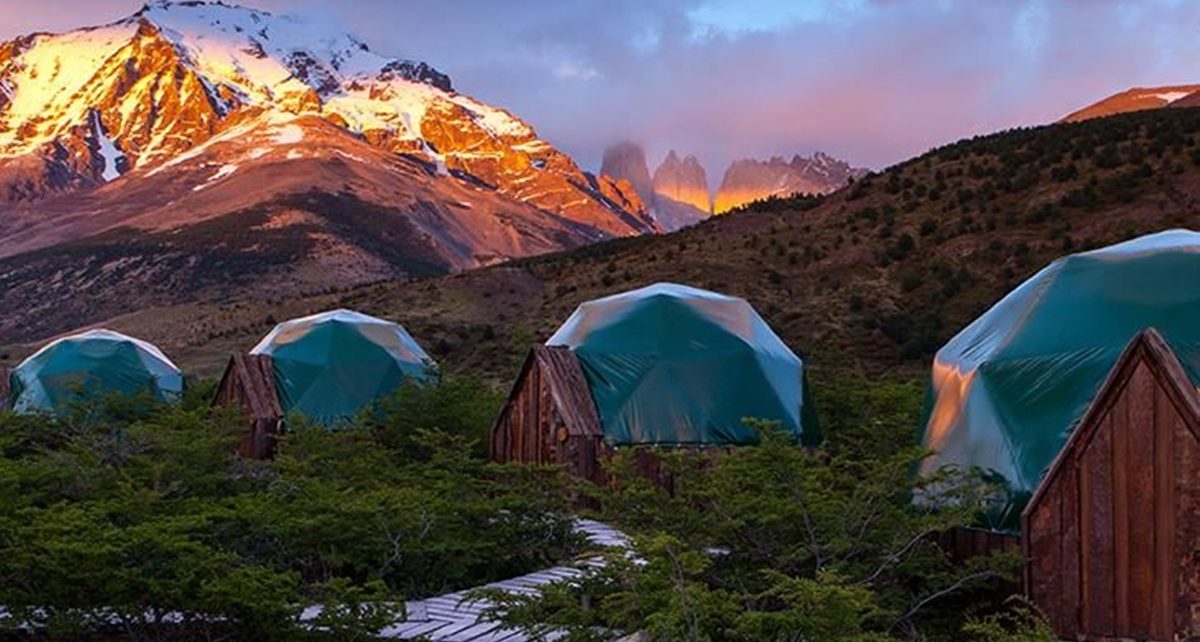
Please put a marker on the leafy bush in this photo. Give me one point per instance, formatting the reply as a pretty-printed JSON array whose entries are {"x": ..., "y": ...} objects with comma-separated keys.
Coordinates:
[
  {"x": 460, "y": 406},
  {"x": 779, "y": 542},
  {"x": 139, "y": 520}
]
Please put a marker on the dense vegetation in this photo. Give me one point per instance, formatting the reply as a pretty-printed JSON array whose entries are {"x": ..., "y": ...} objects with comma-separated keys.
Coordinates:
[
  {"x": 128, "y": 515},
  {"x": 136, "y": 518},
  {"x": 784, "y": 543}
]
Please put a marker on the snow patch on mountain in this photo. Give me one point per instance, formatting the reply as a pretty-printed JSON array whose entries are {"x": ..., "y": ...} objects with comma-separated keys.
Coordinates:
[
  {"x": 109, "y": 154},
  {"x": 51, "y": 71},
  {"x": 289, "y": 135},
  {"x": 224, "y": 171},
  {"x": 1172, "y": 96}
]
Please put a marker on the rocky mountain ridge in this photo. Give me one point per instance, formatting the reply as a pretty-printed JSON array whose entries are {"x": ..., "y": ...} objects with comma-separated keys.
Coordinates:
[
  {"x": 749, "y": 180},
  {"x": 83, "y": 108},
  {"x": 1137, "y": 99},
  {"x": 679, "y": 194}
]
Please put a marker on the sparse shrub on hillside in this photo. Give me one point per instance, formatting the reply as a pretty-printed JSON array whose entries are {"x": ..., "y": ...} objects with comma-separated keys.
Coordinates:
[
  {"x": 1019, "y": 622},
  {"x": 902, "y": 247},
  {"x": 910, "y": 281}
]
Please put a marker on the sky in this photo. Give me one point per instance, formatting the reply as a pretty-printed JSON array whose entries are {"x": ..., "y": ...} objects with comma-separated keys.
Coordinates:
[{"x": 869, "y": 81}]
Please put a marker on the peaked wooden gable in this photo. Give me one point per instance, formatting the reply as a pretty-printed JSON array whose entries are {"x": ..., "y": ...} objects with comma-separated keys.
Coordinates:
[
  {"x": 249, "y": 383},
  {"x": 550, "y": 416},
  {"x": 1112, "y": 534}
]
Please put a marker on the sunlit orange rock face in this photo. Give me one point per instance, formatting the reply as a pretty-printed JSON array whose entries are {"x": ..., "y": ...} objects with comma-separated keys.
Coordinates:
[
  {"x": 750, "y": 180},
  {"x": 1137, "y": 99},
  {"x": 84, "y": 108},
  {"x": 682, "y": 181},
  {"x": 677, "y": 196}
]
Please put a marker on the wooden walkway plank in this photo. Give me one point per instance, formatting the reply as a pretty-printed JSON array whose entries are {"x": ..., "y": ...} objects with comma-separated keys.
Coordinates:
[{"x": 453, "y": 617}]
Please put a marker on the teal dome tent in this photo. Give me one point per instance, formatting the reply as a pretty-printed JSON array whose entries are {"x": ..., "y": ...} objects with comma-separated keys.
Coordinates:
[
  {"x": 675, "y": 365},
  {"x": 92, "y": 363},
  {"x": 1009, "y": 389},
  {"x": 330, "y": 366}
]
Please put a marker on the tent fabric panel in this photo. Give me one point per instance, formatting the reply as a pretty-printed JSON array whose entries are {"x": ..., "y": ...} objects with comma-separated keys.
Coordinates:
[
  {"x": 675, "y": 365},
  {"x": 330, "y": 366},
  {"x": 96, "y": 362},
  {"x": 1009, "y": 389}
]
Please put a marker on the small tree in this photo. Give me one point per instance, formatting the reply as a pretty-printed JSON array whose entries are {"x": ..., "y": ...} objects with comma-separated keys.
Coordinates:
[{"x": 775, "y": 542}]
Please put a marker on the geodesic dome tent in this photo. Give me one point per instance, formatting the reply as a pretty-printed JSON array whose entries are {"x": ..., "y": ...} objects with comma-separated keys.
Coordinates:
[
  {"x": 92, "y": 364},
  {"x": 1008, "y": 390},
  {"x": 670, "y": 364},
  {"x": 329, "y": 366}
]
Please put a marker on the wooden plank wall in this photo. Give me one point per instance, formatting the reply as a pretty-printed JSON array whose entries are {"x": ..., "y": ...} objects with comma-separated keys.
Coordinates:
[
  {"x": 1101, "y": 536},
  {"x": 249, "y": 383},
  {"x": 548, "y": 418},
  {"x": 524, "y": 432},
  {"x": 1186, "y": 540},
  {"x": 508, "y": 435},
  {"x": 962, "y": 544}
]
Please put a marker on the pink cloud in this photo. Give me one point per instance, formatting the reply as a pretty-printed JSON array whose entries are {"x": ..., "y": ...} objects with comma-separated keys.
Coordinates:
[{"x": 874, "y": 81}]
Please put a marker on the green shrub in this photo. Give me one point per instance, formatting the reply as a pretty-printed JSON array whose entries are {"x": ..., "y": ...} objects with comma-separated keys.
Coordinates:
[{"x": 113, "y": 518}]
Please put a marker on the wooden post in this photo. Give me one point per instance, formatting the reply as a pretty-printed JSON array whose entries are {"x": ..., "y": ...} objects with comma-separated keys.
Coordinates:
[
  {"x": 249, "y": 383},
  {"x": 5, "y": 387}
]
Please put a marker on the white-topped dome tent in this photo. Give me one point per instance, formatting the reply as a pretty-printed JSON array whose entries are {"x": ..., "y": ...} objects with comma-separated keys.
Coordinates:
[
  {"x": 672, "y": 364},
  {"x": 665, "y": 365},
  {"x": 1009, "y": 389},
  {"x": 88, "y": 365},
  {"x": 326, "y": 367}
]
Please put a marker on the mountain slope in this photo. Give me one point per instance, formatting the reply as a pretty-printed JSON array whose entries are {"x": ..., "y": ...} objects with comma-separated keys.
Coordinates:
[
  {"x": 1136, "y": 99},
  {"x": 199, "y": 152},
  {"x": 871, "y": 279},
  {"x": 110, "y": 104},
  {"x": 259, "y": 216}
]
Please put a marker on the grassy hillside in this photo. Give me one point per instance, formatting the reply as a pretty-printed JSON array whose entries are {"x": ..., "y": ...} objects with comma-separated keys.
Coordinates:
[{"x": 872, "y": 279}]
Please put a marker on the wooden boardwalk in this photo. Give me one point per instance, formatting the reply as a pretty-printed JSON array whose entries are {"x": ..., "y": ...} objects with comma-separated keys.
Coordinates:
[{"x": 454, "y": 618}]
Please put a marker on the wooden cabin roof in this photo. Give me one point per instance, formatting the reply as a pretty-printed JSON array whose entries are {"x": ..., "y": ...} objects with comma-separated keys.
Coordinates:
[
  {"x": 1148, "y": 347},
  {"x": 255, "y": 375},
  {"x": 563, "y": 374}
]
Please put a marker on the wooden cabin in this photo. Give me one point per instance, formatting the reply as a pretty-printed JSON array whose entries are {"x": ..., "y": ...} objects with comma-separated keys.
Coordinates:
[
  {"x": 550, "y": 417},
  {"x": 249, "y": 383},
  {"x": 1112, "y": 535}
]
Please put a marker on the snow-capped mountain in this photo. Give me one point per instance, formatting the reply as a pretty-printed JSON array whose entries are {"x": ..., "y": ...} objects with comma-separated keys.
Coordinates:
[
  {"x": 82, "y": 108},
  {"x": 1137, "y": 99},
  {"x": 197, "y": 150},
  {"x": 749, "y": 180}
]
